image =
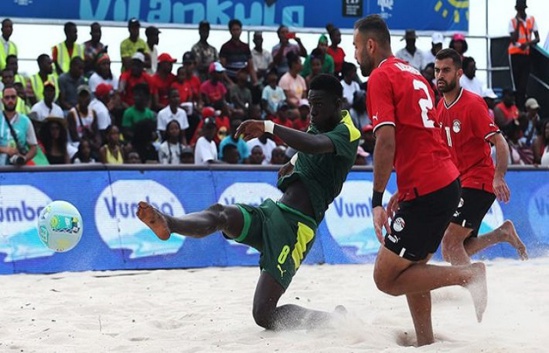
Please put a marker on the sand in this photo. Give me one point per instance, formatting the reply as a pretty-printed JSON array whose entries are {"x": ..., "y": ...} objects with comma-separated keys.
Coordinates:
[{"x": 209, "y": 310}]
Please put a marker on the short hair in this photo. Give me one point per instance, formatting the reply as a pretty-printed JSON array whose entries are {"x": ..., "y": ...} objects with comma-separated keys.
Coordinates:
[
  {"x": 11, "y": 56},
  {"x": 292, "y": 58},
  {"x": 68, "y": 25},
  {"x": 450, "y": 53},
  {"x": 347, "y": 67},
  {"x": 141, "y": 88},
  {"x": 467, "y": 60},
  {"x": 331, "y": 29},
  {"x": 95, "y": 24},
  {"x": 374, "y": 26},
  {"x": 280, "y": 29},
  {"x": 317, "y": 53},
  {"x": 41, "y": 58},
  {"x": 6, "y": 20},
  {"x": 327, "y": 83},
  {"x": 233, "y": 22}
]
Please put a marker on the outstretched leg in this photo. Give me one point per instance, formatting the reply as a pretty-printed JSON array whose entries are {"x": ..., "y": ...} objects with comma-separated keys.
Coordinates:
[
  {"x": 504, "y": 233},
  {"x": 268, "y": 315},
  {"x": 228, "y": 219}
]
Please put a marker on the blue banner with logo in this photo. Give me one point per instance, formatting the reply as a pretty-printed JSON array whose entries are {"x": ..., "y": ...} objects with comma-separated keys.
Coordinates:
[{"x": 428, "y": 15}]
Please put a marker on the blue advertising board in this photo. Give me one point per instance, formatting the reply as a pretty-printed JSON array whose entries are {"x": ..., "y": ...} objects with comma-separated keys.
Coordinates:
[
  {"x": 115, "y": 239},
  {"x": 427, "y": 15}
]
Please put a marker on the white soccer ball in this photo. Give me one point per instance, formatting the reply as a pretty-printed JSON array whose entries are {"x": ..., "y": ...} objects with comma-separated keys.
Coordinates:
[{"x": 60, "y": 226}]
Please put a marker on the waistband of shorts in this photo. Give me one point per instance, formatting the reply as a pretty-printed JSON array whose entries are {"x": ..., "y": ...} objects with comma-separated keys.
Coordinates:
[{"x": 289, "y": 209}]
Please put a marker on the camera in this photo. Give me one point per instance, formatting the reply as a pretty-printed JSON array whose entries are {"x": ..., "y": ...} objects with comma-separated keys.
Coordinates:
[{"x": 17, "y": 160}]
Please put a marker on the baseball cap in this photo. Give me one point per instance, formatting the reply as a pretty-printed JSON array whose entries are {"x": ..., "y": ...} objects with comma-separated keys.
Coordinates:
[
  {"x": 83, "y": 88},
  {"x": 216, "y": 67},
  {"x": 208, "y": 112},
  {"x": 103, "y": 57},
  {"x": 489, "y": 93},
  {"x": 139, "y": 56},
  {"x": 103, "y": 89},
  {"x": 531, "y": 103},
  {"x": 304, "y": 103},
  {"x": 409, "y": 34},
  {"x": 437, "y": 38},
  {"x": 458, "y": 36},
  {"x": 188, "y": 57},
  {"x": 151, "y": 30},
  {"x": 133, "y": 22},
  {"x": 166, "y": 58}
]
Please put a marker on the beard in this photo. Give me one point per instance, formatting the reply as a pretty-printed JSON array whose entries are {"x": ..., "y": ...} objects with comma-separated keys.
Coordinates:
[
  {"x": 366, "y": 67},
  {"x": 447, "y": 87},
  {"x": 9, "y": 108}
]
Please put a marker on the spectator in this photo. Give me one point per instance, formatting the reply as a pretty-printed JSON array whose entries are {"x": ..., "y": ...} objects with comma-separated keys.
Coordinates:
[
  {"x": 132, "y": 45},
  {"x": 521, "y": 28},
  {"x": 230, "y": 154},
  {"x": 205, "y": 150},
  {"x": 350, "y": 86},
  {"x": 327, "y": 62},
  {"x": 162, "y": 80},
  {"x": 102, "y": 104},
  {"x": 12, "y": 63},
  {"x": 241, "y": 96},
  {"x": 429, "y": 74},
  {"x": 170, "y": 113},
  {"x": 103, "y": 73},
  {"x": 518, "y": 154},
  {"x": 138, "y": 112},
  {"x": 410, "y": 53},
  {"x": 188, "y": 84},
  {"x": 132, "y": 77},
  {"x": 284, "y": 116},
  {"x": 540, "y": 146},
  {"x": 358, "y": 110},
  {"x": 469, "y": 81},
  {"x": 262, "y": 58},
  {"x": 111, "y": 152},
  {"x": 213, "y": 90},
  {"x": 266, "y": 144},
  {"x": 7, "y": 47},
  {"x": 54, "y": 139},
  {"x": 187, "y": 155},
  {"x": 222, "y": 123},
  {"x": 84, "y": 153},
  {"x": 302, "y": 122},
  {"x": 204, "y": 53},
  {"x": 46, "y": 107},
  {"x": 45, "y": 74},
  {"x": 133, "y": 158},
  {"x": 21, "y": 107},
  {"x": 82, "y": 120},
  {"x": 284, "y": 47},
  {"x": 315, "y": 63},
  {"x": 238, "y": 142},
  {"x": 256, "y": 156},
  {"x": 490, "y": 99},
  {"x": 235, "y": 55},
  {"x": 171, "y": 150},
  {"x": 64, "y": 53},
  {"x": 143, "y": 140},
  {"x": 361, "y": 156},
  {"x": 278, "y": 156},
  {"x": 369, "y": 143},
  {"x": 437, "y": 39},
  {"x": 152, "y": 33},
  {"x": 93, "y": 48},
  {"x": 293, "y": 84},
  {"x": 506, "y": 111},
  {"x": 459, "y": 44},
  {"x": 272, "y": 95},
  {"x": 531, "y": 122},
  {"x": 334, "y": 50},
  {"x": 69, "y": 82}
]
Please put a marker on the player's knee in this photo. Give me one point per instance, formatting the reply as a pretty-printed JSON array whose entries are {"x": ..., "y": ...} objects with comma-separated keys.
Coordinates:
[
  {"x": 263, "y": 317},
  {"x": 385, "y": 284},
  {"x": 449, "y": 247}
]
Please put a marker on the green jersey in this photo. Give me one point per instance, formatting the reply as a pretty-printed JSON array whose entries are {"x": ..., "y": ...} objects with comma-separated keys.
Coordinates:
[{"x": 323, "y": 174}]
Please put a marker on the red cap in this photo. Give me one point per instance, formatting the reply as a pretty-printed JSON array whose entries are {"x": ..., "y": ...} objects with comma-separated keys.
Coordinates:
[
  {"x": 102, "y": 90},
  {"x": 458, "y": 36},
  {"x": 208, "y": 112},
  {"x": 367, "y": 128},
  {"x": 165, "y": 57}
]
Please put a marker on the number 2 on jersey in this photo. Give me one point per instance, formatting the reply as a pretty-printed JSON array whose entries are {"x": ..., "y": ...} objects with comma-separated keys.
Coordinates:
[{"x": 425, "y": 104}]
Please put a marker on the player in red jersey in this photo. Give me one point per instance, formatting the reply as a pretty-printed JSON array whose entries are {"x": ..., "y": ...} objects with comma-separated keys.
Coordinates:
[
  {"x": 408, "y": 137},
  {"x": 467, "y": 129}
]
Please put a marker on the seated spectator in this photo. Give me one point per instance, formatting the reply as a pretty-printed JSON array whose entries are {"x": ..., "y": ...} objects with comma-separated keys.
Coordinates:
[
  {"x": 22, "y": 106},
  {"x": 367, "y": 135},
  {"x": 256, "y": 156},
  {"x": 46, "y": 107},
  {"x": 262, "y": 58},
  {"x": 350, "y": 86},
  {"x": 230, "y": 154},
  {"x": 240, "y": 96},
  {"x": 69, "y": 82},
  {"x": 144, "y": 139},
  {"x": 278, "y": 156},
  {"x": 410, "y": 53},
  {"x": 53, "y": 138},
  {"x": 137, "y": 112},
  {"x": 213, "y": 90},
  {"x": 112, "y": 152},
  {"x": 242, "y": 147},
  {"x": 320, "y": 52},
  {"x": 334, "y": 50},
  {"x": 132, "y": 45},
  {"x": 468, "y": 80},
  {"x": 284, "y": 47},
  {"x": 459, "y": 44},
  {"x": 531, "y": 122},
  {"x": 170, "y": 113},
  {"x": 235, "y": 55},
  {"x": 429, "y": 74},
  {"x": 12, "y": 63},
  {"x": 82, "y": 121},
  {"x": 65, "y": 52},
  {"x": 204, "y": 53},
  {"x": 102, "y": 105},
  {"x": 44, "y": 75},
  {"x": 132, "y": 77},
  {"x": 171, "y": 150},
  {"x": 93, "y": 48},
  {"x": 490, "y": 98},
  {"x": 284, "y": 116},
  {"x": 266, "y": 144},
  {"x": 272, "y": 96},
  {"x": 315, "y": 60},
  {"x": 222, "y": 123},
  {"x": 162, "y": 80},
  {"x": 302, "y": 122},
  {"x": 540, "y": 146},
  {"x": 188, "y": 84},
  {"x": 103, "y": 73},
  {"x": 205, "y": 151},
  {"x": 361, "y": 156},
  {"x": 133, "y": 158},
  {"x": 506, "y": 112},
  {"x": 293, "y": 84},
  {"x": 84, "y": 153},
  {"x": 187, "y": 155},
  {"x": 518, "y": 154},
  {"x": 358, "y": 111}
]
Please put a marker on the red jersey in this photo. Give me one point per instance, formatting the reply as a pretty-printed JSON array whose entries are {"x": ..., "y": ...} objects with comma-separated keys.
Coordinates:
[
  {"x": 467, "y": 126},
  {"x": 162, "y": 87},
  {"x": 398, "y": 95}
]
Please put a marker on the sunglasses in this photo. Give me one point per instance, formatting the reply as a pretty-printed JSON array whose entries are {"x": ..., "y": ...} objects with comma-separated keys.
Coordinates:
[{"x": 10, "y": 97}]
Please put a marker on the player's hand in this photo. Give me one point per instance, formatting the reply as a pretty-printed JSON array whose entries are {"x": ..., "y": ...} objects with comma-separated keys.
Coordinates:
[
  {"x": 285, "y": 169},
  {"x": 501, "y": 189},
  {"x": 392, "y": 206},
  {"x": 250, "y": 129},
  {"x": 381, "y": 221}
]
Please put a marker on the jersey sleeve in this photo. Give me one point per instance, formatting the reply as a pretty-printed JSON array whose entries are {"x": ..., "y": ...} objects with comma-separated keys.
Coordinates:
[
  {"x": 380, "y": 100},
  {"x": 481, "y": 123}
]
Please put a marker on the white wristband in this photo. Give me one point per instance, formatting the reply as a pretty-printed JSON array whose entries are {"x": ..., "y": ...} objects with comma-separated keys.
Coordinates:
[
  {"x": 269, "y": 126},
  {"x": 294, "y": 159}
]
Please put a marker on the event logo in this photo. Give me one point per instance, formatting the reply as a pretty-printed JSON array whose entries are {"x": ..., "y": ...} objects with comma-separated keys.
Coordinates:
[
  {"x": 385, "y": 7},
  {"x": 118, "y": 225},
  {"x": 20, "y": 206},
  {"x": 458, "y": 9},
  {"x": 350, "y": 220},
  {"x": 257, "y": 13},
  {"x": 538, "y": 213}
]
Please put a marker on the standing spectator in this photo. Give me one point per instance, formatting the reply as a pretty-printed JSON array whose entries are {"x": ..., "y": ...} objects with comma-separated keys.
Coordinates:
[
  {"x": 132, "y": 77},
  {"x": 12, "y": 63},
  {"x": 111, "y": 152},
  {"x": 205, "y": 150},
  {"x": 469, "y": 81},
  {"x": 235, "y": 55},
  {"x": 506, "y": 112},
  {"x": 204, "y": 53},
  {"x": 320, "y": 52},
  {"x": 521, "y": 28},
  {"x": 334, "y": 50},
  {"x": 266, "y": 144},
  {"x": 293, "y": 84},
  {"x": 262, "y": 58},
  {"x": 272, "y": 96},
  {"x": 350, "y": 86},
  {"x": 284, "y": 47},
  {"x": 53, "y": 138},
  {"x": 82, "y": 120},
  {"x": 69, "y": 82},
  {"x": 540, "y": 145},
  {"x": 170, "y": 113},
  {"x": 410, "y": 53},
  {"x": 459, "y": 44},
  {"x": 171, "y": 150},
  {"x": 138, "y": 112},
  {"x": 93, "y": 48},
  {"x": 238, "y": 141},
  {"x": 241, "y": 96},
  {"x": 152, "y": 33},
  {"x": 7, "y": 47},
  {"x": 102, "y": 104},
  {"x": 132, "y": 45},
  {"x": 46, "y": 107},
  {"x": 103, "y": 73},
  {"x": 44, "y": 74},
  {"x": 213, "y": 90},
  {"x": 162, "y": 81},
  {"x": 437, "y": 39},
  {"x": 64, "y": 52}
]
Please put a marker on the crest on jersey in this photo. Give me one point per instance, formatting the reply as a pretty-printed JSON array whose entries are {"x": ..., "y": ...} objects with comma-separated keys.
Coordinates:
[{"x": 456, "y": 126}]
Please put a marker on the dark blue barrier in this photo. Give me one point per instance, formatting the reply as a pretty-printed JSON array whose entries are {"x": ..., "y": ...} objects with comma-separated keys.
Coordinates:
[
  {"x": 115, "y": 239},
  {"x": 427, "y": 15}
]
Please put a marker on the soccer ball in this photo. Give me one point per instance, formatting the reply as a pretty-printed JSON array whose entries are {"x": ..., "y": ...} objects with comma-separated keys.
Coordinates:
[{"x": 60, "y": 226}]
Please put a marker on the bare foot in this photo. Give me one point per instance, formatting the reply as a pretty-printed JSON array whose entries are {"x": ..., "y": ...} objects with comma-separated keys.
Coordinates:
[
  {"x": 478, "y": 289},
  {"x": 511, "y": 236},
  {"x": 154, "y": 220}
]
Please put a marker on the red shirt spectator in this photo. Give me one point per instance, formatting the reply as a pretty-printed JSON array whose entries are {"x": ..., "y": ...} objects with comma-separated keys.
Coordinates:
[
  {"x": 213, "y": 89},
  {"x": 222, "y": 123},
  {"x": 163, "y": 79},
  {"x": 188, "y": 85},
  {"x": 132, "y": 77}
]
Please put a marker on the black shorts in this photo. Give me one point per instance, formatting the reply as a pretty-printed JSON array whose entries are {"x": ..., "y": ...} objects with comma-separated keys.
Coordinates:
[
  {"x": 472, "y": 208},
  {"x": 419, "y": 224}
]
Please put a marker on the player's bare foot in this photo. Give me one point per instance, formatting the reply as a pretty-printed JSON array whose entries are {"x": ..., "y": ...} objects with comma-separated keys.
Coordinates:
[
  {"x": 478, "y": 289},
  {"x": 154, "y": 220},
  {"x": 511, "y": 236}
]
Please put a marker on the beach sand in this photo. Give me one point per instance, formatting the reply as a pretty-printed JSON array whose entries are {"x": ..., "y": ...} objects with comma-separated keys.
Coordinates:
[{"x": 209, "y": 310}]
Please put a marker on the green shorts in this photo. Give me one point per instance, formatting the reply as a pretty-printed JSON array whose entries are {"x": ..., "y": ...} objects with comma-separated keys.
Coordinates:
[{"x": 281, "y": 234}]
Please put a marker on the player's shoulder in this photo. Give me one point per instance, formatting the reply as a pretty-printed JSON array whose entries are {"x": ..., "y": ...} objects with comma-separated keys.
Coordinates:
[{"x": 472, "y": 98}]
